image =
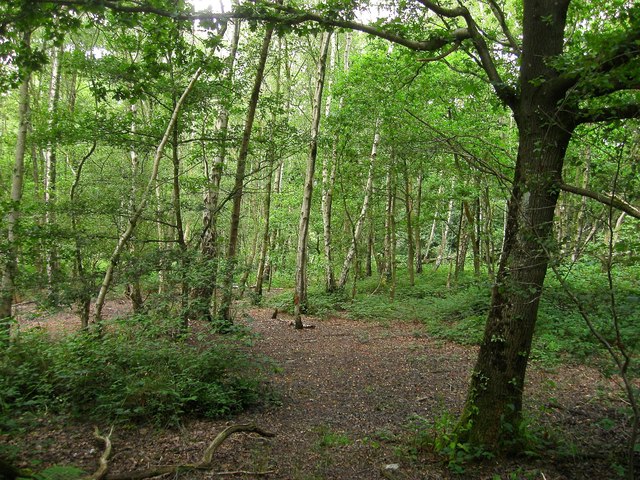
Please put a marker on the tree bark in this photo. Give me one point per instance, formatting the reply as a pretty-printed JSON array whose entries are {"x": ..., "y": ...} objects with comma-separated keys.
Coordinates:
[
  {"x": 300, "y": 293},
  {"x": 492, "y": 414},
  {"x": 9, "y": 268},
  {"x": 329, "y": 169},
  {"x": 224, "y": 312}
]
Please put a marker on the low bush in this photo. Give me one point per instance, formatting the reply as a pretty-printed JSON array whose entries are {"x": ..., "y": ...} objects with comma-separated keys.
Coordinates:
[{"x": 127, "y": 374}]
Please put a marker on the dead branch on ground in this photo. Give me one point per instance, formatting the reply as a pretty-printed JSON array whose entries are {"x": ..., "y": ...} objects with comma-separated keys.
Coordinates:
[{"x": 205, "y": 463}]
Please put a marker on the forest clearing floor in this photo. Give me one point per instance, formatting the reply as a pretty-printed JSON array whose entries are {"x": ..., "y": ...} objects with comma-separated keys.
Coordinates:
[{"x": 354, "y": 401}]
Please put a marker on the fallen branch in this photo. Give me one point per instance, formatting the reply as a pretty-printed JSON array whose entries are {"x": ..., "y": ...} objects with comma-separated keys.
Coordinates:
[
  {"x": 206, "y": 463},
  {"x": 104, "y": 458}
]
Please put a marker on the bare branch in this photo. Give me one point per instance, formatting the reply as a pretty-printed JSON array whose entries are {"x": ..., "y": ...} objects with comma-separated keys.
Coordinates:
[
  {"x": 206, "y": 463},
  {"x": 607, "y": 199},
  {"x": 103, "y": 467}
]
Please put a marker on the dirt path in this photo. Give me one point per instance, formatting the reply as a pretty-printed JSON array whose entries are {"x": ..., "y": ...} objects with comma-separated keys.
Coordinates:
[{"x": 350, "y": 393}]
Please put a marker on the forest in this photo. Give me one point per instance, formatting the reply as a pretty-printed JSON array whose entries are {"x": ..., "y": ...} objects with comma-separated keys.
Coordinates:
[{"x": 392, "y": 239}]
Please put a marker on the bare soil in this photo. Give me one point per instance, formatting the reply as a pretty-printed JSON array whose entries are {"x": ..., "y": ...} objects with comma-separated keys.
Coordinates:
[{"x": 351, "y": 395}]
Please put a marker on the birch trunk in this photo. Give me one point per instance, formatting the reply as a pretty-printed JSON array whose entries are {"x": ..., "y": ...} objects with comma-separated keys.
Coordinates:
[
  {"x": 434, "y": 224},
  {"x": 84, "y": 297},
  {"x": 300, "y": 293},
  {"x": 50, "y": 172},
  {"x": 409, "y": 213},
  {"x": 9, "y": 268},
  {"x": 418, "y": 239},
  {"x": 133, "y": 220},
  {"x": 133, "y": 290},
  {"x": 271, "y": 158},
  {"x": 224, "y": 312},
  {"x": 202, "y": 293},
  {"x": 329, "y": 169},
  {"x": 357, "y": 232},
  {"x": 442, "y": 250}
]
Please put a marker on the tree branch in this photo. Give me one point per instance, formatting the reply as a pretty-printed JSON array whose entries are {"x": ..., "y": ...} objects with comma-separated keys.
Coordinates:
[
  {"x": 631, "y": 110},
  {"x": 610, "y": 200},
  {"x": 499, "y": 14},
  {"x": 206, "y": 463}
]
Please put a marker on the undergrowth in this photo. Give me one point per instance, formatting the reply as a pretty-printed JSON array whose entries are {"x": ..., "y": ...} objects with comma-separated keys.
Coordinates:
[
  {"x": 129, "y": 373},
  {"x": 457, "y": 310}
]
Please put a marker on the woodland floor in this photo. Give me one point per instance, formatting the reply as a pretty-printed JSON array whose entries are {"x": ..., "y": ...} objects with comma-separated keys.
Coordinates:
[{"x": 349, "y": 393}]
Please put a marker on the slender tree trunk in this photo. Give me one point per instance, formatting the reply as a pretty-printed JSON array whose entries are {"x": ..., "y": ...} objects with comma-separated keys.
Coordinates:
[
  {"x": 329, "y": 169},
  {"x": 50, "y": 173},
  {"x": 224, "y": 312},
  {"x": 370, "y": 250},
  {"x": 133, "y": 220},
  {"x": 486, "y": 213},
  {"x": 271, "y": 159},
  {"x": 418, "y": 238},
  {"x": 442, "y": 250},
  {"x": 389, "y": 266},
  {"x": 84, "y": 288},
  {"x": 580, "y": 217},
  {"x": 133, "y": 290},
  {"x": 474, "y": 230},
  {"x": 180, "y": 237},
  {"x": 408, "y": 203},
  {"x": 357, "y": 231},
  {"x": 300, "y": 293},
  {"x": 201, "y": 294},
  {"x": 9, "y": 267},
  {"x": 434, "y": 224},
  {"x": 463, "y": 242}
]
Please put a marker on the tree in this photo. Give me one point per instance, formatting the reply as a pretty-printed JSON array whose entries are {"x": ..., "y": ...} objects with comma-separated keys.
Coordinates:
[
  {"x": 300, "y": 292},
  {"x": 227, "y": 292}
]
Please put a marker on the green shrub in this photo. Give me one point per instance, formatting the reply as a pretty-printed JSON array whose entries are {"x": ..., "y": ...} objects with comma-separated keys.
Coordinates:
[{"x": 128, "y": 375}]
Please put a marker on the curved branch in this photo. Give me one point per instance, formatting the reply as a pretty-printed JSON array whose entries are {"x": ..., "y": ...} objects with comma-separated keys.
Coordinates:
[
  {"x": 444, "y": 54},
  {"x": 610, "y": 200},
  {"x": 499, "y": 14},
  {"x": 631, "y": 110},
  {"x": 101, "y": 472},
  {"x": 206, "y": 463}
]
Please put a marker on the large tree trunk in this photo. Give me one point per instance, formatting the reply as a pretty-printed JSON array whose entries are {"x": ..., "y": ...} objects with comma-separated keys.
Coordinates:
[
  {"x": 224, "y": 313},
  {"x": 9, "y": 268},
  {"x": 492, "y": 413},
  {"x": 300, "y": 293}
]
